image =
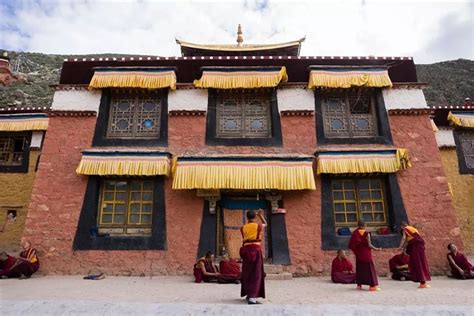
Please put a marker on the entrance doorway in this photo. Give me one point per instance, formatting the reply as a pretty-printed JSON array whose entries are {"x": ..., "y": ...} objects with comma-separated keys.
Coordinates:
[{"x": 231, "y": 215}]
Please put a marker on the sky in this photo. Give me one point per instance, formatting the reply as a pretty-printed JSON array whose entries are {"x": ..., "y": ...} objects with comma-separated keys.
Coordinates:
[{"x": 429, "y": 31}]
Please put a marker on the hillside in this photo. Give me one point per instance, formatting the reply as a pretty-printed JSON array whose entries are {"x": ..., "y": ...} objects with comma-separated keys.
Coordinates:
[{"x": 450, "y": 82}]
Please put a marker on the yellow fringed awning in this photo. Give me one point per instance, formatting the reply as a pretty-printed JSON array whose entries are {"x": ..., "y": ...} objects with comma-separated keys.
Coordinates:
[
  {"x": 345, "y": 77},
  {"x": 461, "y": 119},
  {"x": 124, "y": 77},
  {"x": 381, "y": 161},
  {"x": 241, "y": 78},
  {"x": 23, "y": 122},
  {"x": 244, "y": 173},
  {"x": 124, "y": 163}
]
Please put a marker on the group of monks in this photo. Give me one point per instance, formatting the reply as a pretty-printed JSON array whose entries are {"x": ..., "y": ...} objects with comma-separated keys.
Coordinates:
[
  {"x": 19, "y": 267},
  {"x": 252, "y": 277},
  {"x": 410, "y": 265}
]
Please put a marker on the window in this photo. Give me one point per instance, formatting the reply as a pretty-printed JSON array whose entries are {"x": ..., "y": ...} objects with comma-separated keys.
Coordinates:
[
  {"x": 244, "y": 114},
  {"x": 465, "y": 150},
  {"x": 134, "y": 114},
  {"x": 126, "y": 207},
  {"x": 122, "y": 214},
  {"x": 349, "y": 113},
  {"x": 11, "y": 150},
  {"x": 358, "y": 199}
]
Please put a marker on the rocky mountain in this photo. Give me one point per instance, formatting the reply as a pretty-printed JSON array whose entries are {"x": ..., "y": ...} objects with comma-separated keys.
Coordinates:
[{"x": 450, "y": 82}]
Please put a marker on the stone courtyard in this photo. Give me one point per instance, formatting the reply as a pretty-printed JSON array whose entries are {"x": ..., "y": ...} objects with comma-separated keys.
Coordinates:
[{"x": 71, "y": 295}]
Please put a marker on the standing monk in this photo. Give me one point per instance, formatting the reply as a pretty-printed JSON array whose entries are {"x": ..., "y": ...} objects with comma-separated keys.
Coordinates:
[
  {"x": 253, "y": 283},
  {"x": 414, "y": 246},
  {"x": 361, "y": 245}
]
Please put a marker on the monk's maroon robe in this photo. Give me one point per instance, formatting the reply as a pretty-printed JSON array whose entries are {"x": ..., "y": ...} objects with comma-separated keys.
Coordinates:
[
  {"x": 31, "y": 265},
  {"x": 418, "y": 264},
  {"x": 199, "y": 275},
  {"x": 8, "y": 268},
  {"x": 400, "y": 274},
  {"x": 253, "y": 282},
  {"x": 462, "y": 262},
  {"x": 365, "y": 268},
  {"x": 229, "y": 271},
  {"x": 342, "y": 271}
]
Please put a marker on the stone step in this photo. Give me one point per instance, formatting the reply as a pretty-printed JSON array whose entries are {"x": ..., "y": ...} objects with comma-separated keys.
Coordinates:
[
  {"x": 279, "y": 276},
  {"x": 273, "y": 268}
]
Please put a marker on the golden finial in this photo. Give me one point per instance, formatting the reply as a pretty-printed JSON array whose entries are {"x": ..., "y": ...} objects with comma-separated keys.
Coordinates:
[{"x": 240, "y": 38}]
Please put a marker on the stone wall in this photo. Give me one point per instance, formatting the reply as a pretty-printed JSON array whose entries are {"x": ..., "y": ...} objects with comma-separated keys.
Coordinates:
[
  {"x": 462, "y": 186},
  {"x": 15, "y": 192},
  {"x": 58, "y": 195},
  {"x": 424, "y": 187}
]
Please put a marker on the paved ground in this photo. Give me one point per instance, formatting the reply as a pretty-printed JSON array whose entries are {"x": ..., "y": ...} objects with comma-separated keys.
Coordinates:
[{"x": 70, "y": 295}]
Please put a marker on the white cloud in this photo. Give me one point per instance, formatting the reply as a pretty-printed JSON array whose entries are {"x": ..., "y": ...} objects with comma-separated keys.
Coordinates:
[{"x": 149, "y": 27}]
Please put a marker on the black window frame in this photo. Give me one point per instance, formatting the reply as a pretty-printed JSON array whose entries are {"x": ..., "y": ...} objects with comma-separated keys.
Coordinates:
[
  {"x": 211, "y": 125},
  {"x": 463, "y": 168},
  {"x": 84, "y": 240},
  {"x": 100, "y": 134},
  {"x": 25, "y": 162},
  {"x": 381, "y": 116},
  {"x": 396, "y": 214}
]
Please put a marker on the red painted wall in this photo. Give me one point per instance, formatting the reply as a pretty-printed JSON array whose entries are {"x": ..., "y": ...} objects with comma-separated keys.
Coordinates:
[
  {"x": 58, "y": 194},
  {"x": 425, "y": 187}
]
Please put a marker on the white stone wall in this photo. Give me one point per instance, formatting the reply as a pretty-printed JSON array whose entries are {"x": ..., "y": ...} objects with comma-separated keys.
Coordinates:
[
  {"x": 445, "y": 137},
  {"x": 188, "y": 100},
  {"x": 295, "y": 99},
  {"x": 404, "y": 98},
  {"x": 76, "y": 100}
]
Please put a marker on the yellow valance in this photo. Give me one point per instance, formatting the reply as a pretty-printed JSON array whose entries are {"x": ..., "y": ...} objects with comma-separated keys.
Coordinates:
[
  {"x": 241, "y": 78},
  {"x": 345, "y": 77},
  {"x": 244, "y": 173},
  {"x": 461, "y": 119},
  {"x": 23, "y": 122},
  {"x": 125, "y": 77},
  {"x": 381, "y": 161},
  {"x": 124, "y": 164}
]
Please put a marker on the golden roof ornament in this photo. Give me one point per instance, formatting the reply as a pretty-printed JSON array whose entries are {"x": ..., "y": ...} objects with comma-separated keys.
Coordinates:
[{"x": 240, "y": 37}]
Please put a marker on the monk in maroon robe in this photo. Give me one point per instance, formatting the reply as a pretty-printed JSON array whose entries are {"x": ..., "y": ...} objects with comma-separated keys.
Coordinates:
[
  {"x": 229, "y": 270},
  {"x": 30, "y": 262},
  {"x": 399, "y": 267},
  {"x": 204, "y": 269},
  {"x": 414, "y": 245},
  {"x": 361, "y": 245},
  {"x": 461, "y": 268},
  {"x": 253, "y": 275},
  {"x": 8, "y": 266},
  {"x": 341, "y": 269}
]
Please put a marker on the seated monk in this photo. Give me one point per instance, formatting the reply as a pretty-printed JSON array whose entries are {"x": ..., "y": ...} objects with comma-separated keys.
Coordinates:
[
  {"x": 204, "y": 269},
  {"x": 461, "y": 268},
  {"x": 399, "y": 267},
  {"x": 229, "y": 270},
  {"x": 341, "y": 269},
  {"x": 8, "y": 266},
  {"x": 30, "y": 262}
]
